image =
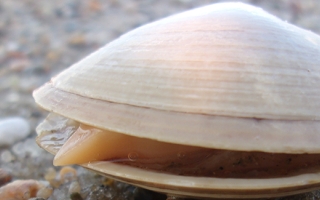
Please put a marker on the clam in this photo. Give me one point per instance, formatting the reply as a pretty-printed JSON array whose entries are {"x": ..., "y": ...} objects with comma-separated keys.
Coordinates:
[{"x": 221, "y": 101}]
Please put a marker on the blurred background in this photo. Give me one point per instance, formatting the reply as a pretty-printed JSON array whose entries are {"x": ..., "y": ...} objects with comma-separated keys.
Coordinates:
[{"x": 38, "y": 39}]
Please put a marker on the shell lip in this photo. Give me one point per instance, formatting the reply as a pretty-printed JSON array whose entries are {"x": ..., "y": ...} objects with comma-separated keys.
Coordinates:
[
  {"x": 275, "y": 136},
  {"x": 207, "y": 187}
]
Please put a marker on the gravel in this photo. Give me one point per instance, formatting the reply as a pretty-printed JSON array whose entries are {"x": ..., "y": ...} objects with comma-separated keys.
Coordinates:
[
  {"x": 40, "y": 39},
  {"x": 13, "y": 130}
]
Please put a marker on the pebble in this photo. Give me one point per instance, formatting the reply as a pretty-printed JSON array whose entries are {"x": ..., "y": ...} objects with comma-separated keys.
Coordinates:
[
  {"x": 7, "y": 156},
  {"x": 77, "y": 40},
  {"x": 12, "y": 130},
  {"x": 76, "y": 196},
  {"x": 50, "y": 176},
  {"x": 67, "y": 174},
  {"x": 27, "y": 147},
  {"x": 5, "y": 177},
  {"x": 45, "y": 192},
  {"x": 74, "y": 187},
  {"x": 20, "y": 190}
]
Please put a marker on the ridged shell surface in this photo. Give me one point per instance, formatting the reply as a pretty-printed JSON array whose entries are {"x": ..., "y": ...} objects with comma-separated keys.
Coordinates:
[
  {"x": 221, "y": 61},
  {"x": 229, "y": 60}
]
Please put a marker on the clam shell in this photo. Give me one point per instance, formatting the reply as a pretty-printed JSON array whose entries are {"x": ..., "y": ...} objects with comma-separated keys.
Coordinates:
[{"x": 227, "y": 76}]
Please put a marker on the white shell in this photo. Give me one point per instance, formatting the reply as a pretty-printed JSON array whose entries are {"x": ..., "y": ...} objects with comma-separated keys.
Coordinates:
[{"x": 226, "y": 76}]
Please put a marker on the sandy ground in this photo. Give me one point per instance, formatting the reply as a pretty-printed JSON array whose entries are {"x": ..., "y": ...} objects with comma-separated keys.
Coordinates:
[{"x": 38, "y": 39}]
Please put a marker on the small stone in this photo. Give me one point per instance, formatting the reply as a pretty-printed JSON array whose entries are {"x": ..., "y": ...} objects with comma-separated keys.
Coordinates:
[
  {"x": 13, "y": 97},
  {"x": 20, "y": 190},
  {"x": 5, "y": 177},
  {"x": 55, "y": 183},
  {"x": 17, "y": 65},
  {"x": 77, "y": 40},
  {"x": 67, "y": 174},
  {"x": 52, "y": 55},
  {"x": 74, "y": 187},
  {"x": 50, "y": 174},
  {"x": 45, "y": 192},
  {"x": 95, "y": 5},
  {"x": 13, "y": 130},
  {"x": 101, "y": 192},
  {"x": 6, "y": 156},
  {"x": 60, "y": 193},
  {"x": 12, "y": 47},
  {"x": 27, "y": 147},
  {"x": 76, "y": 196}
]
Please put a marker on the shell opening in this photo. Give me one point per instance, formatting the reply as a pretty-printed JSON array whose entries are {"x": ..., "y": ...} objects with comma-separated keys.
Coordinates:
[{"x": 90, "y": 144}]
